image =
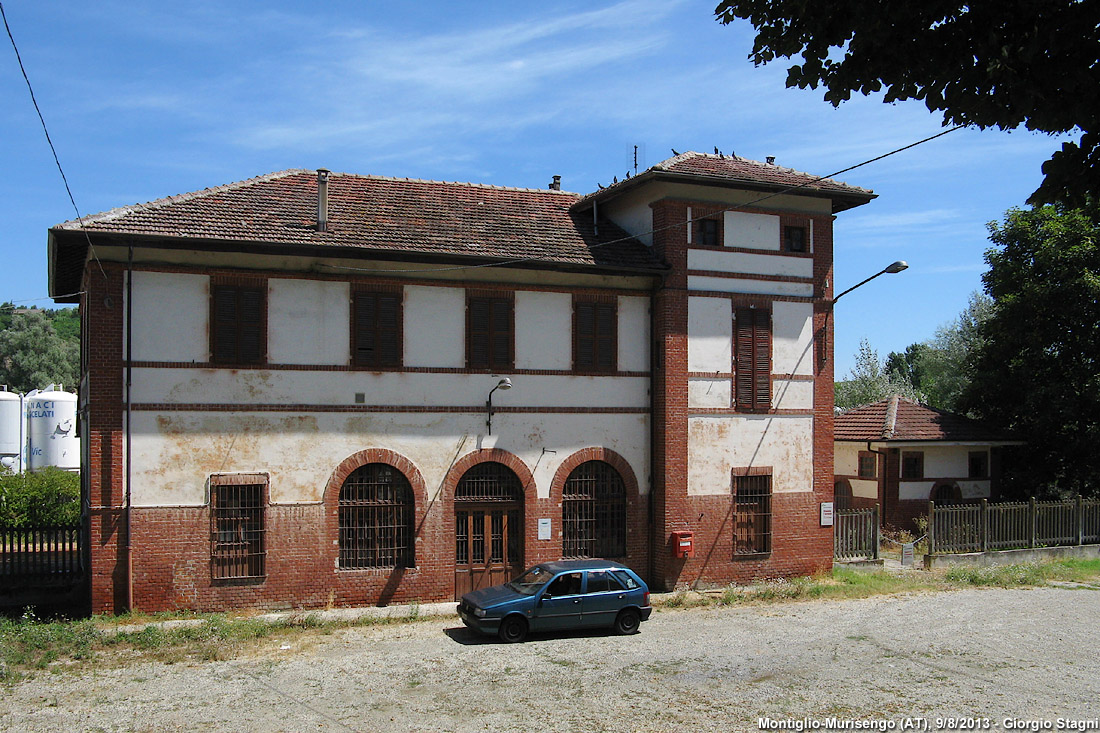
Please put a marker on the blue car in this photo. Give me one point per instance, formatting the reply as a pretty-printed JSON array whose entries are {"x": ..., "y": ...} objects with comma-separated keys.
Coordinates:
[{"x": 552, "y": 596}]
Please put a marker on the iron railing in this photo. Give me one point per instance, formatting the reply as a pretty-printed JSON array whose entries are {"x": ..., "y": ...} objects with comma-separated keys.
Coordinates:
[
  {"x": 856, "y": 534},
  {"x": 983, "y": 527},
  {"x": 40, "y": 554}
]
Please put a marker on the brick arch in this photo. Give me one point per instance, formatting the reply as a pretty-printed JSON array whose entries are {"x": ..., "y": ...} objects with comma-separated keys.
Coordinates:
[
  {"x": 493, "y": 455},
  {"x": 376, "y": 455},
  {"x": 616, "y": 461}
]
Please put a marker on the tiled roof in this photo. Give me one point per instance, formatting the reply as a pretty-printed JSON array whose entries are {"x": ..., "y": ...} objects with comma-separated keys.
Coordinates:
[
  {"x": 902, "y": 420},
  {"x": 734, "y": 169},
  {"x": 385, "y": 214}
]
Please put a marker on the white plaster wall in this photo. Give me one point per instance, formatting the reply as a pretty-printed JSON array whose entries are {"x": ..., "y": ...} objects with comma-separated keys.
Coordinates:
[
  {"x": 846, "y": 458},
  {"x": 717, "y": 444},
  {"x": 171, "y": 317},
  {"x": 710, "y": 335},
  {"x": 864, "y": 488},
  {"x": 945, "y": 461},
  {"x": 308, "y": 322},
  {"x": 792, "y": 338},
  {"x": 754, "y": 287},
  {"x": 705, "y": 259},
  {"x": 544, "y": 327},
  {"x": 709, "y": 393},
  {"x": 287, "y": 387},
  {"x": 435, "y": 327},
  {"x": 633, "y": 334},
  {"x": 753, "y": 231},
  {"x": 791, "y": 395},
  {"x": 174, "y": 453}
]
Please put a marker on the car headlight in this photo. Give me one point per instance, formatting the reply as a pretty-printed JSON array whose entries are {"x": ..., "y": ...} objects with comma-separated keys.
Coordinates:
[{"x": 479, "y": 612}]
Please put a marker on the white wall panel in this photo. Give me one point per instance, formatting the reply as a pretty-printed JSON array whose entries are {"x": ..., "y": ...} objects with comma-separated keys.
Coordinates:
[
  {"x": 792, "y": 338},
  {"x": 756, "y": 264},
  {"x": 710, "y": 335},
  {"x": 435, "y": 326},
  {"x": 544, "y": 329},
  {"x": 717, "y": 444},
  {"x": 308, "y": 322},
  {"x": 751, "y": 287},
  {"x": 633, "y": 334},
  {"x": 171, "y": 317},
  {"x": 753, "y": 231},
  {"x": 709, "y": 393}
]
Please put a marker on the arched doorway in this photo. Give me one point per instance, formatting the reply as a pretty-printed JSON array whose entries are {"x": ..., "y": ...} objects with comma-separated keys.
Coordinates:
[{"x": 488, "y": 527}]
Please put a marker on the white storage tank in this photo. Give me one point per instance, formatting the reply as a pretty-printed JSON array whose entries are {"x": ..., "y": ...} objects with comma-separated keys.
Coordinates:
[
  {"x": 51, "y": 428},
  {"x": 12, "y": 435}
]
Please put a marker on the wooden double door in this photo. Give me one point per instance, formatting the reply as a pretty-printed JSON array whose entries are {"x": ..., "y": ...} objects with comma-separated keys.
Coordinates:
[{"x": 489, "y": 528}]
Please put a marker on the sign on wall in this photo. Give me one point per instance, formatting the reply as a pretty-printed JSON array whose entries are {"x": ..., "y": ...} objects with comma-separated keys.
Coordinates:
[{"x": 826, "y": 514}]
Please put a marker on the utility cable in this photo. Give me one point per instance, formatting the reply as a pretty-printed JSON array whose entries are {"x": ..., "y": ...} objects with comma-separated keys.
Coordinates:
[
  {"x": 53, "y": 150},
  {"x": 754, "y": 202}
]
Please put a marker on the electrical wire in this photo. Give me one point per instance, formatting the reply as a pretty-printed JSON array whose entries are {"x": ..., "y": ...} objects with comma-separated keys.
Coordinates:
[
  {"x": 53, "y": 150},
  {"x": 750, "y": 204}
]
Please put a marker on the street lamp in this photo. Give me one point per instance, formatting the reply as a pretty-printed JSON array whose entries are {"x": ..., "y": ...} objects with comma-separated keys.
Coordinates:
[
  {"x": 502, "y": 384},
  {"x": 891, "y": 269}
]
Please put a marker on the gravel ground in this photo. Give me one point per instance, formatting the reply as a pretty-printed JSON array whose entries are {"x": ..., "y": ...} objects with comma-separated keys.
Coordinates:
[{"x": 1026, "y": 655}]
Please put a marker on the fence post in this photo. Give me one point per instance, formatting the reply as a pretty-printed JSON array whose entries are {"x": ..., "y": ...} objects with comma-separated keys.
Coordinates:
[
  {"x": 875, "y": 532},
  {"x": 1080, "y": 520},
  {"x": 1033, "y": 513},
  {"x": 931, "y": 527},
  {"x": 984, "y": 526}
]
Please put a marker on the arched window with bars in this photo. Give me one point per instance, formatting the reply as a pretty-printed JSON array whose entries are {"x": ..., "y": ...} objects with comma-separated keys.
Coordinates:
[
  {"x": 594, "y": 512},
  {"x": 376, "y": 511}
]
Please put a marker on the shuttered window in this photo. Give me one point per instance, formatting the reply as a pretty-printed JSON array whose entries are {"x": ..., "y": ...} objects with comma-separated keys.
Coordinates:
[
  {"x": 595, "y": 336},
  {"x": 237, "y": 334},
  {"x": 489, "y": 333},
  {"x": 376, "y": 329},
  {"x": 753, "y": 359}
]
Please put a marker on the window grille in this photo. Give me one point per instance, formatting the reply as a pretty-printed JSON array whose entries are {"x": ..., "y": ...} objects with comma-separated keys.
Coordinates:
[
  {"x": 497, "y": 486},
  {"x": 594, "y": 512},
  {"x": 752, "y": 515},
  {"x": 237, "y": 531},
  {"x": 489, "y": 482},
  {"x": 376, "y": 510}
]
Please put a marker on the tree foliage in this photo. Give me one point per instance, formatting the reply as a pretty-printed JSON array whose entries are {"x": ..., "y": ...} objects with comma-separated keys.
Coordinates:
[
  {"x": 869, "y": 381},
  {"x": 1037, "y": 369},
  {"x": 50, "y": 497},
  {"x": 981, "y": 63},
  {"x": 33, "y": 355},
  {"x": 937, "y": 368}
]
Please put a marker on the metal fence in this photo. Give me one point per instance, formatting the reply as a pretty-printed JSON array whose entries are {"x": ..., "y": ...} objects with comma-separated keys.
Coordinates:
[
  {"x": 1012, "y": 525},
  {"x": 39, "y": 554},
  {"x": 856, "y": 534}
]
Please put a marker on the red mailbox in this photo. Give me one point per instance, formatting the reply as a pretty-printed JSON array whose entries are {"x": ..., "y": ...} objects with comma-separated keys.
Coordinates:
[{"x": 683, "y": 544}]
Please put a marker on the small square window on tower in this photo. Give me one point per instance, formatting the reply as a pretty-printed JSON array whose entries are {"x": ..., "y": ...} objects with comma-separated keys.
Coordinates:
[
  {"x": 707, "y": 231},
  {"x": 794, "y": 239}
]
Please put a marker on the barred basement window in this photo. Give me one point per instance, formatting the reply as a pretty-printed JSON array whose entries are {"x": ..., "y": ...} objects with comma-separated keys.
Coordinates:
[
  {"x": 237, "y": 528},
  {"x": 594, "y": 512},
  {"x": 752, "y": 515},
  {"x": 376, "y": 518}
]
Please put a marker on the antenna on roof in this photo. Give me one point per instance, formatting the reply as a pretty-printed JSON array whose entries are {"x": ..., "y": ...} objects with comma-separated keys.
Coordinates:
[{"x": 635, "y": 160}]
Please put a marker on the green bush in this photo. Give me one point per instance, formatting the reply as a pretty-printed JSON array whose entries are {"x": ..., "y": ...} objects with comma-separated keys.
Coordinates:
[{"x": 50, "y": 497}]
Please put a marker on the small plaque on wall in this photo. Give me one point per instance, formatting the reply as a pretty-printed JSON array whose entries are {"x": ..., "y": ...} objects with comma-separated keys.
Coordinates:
[
  {"x": 544, "y": 529},
  {"x": 826, "y": 514}
]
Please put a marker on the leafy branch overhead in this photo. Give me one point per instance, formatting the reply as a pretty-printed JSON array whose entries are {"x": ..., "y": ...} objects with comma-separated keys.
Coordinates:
[{"x": 983, "y": 63}]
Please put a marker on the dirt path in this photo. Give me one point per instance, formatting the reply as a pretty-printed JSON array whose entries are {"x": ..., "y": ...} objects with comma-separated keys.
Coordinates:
[{"x": 996, "y": 654}]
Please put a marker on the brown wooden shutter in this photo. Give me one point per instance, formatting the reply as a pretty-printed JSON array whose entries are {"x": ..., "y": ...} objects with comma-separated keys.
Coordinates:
[
  {"x": 238, "y": 325},
  {"x": 224, "y": 338},
  {"x": 753, "y": 361},
  {"x": 583, "y": 333},
  {"x": 364, "y": 328},
  {"x": 477, "y": 333},
  {"x": 606, "y": 345},
  {"x": 378, "y": 329},
  {"x": 501, "y": 330}
]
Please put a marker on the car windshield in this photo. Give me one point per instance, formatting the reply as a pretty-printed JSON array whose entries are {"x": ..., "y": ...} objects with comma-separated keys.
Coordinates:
[{"x": 529, "y": 583}]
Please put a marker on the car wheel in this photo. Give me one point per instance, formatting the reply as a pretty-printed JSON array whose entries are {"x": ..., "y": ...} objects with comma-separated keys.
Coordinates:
[
  {"x": 627, "y": 621},
  {"x": 513, "y": 629}
]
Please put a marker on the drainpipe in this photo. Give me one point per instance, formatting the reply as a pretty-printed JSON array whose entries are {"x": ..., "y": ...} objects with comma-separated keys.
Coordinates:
[
  {"x": 129, "y": 428},
  {"x": 322, "y": 199}
]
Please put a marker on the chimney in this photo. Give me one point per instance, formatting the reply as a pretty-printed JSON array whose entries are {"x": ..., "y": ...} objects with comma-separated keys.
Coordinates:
[
  {"x": 556, "y": 185},
  {"x": 322, "y": 199}
]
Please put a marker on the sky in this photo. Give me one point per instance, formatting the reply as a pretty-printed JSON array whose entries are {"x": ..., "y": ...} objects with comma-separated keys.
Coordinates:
[{"x": 146, "y": 99}]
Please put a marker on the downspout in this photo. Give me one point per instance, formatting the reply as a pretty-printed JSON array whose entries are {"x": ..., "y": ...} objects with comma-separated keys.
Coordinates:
[
  {"x": 595, "y": 218},
  {"x": 653, "y": 366},
  {"x": 129, "y": 430}
]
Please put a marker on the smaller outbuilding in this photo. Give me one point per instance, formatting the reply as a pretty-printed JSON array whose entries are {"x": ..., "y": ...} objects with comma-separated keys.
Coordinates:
[{"x": 900, "y": 454}]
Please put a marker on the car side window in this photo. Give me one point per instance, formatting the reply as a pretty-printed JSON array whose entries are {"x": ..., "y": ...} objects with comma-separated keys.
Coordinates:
[
  {"x": 625, "y": 579},
  {"x": 601, "y": 581},
  {"x": 565, "y": 585}
]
